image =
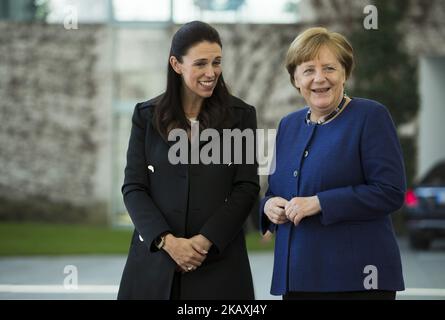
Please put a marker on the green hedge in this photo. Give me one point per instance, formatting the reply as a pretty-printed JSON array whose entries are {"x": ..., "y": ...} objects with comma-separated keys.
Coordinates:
[{"x": 18, "y": 239}]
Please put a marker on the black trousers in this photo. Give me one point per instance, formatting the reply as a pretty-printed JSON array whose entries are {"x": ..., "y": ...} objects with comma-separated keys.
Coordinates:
[{"x": 352, "y": 295}]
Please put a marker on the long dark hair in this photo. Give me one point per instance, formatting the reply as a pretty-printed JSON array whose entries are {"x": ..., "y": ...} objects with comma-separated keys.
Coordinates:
[{"x": 169, "y": 113}]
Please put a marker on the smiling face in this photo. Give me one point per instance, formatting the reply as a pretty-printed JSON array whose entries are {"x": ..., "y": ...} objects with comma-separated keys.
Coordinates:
[
  {"x": 321, "y": 82},
  {"x": 200, "y": 69}
]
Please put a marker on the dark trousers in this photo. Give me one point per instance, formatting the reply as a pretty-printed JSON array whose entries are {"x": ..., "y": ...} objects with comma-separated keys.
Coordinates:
[{"x": 354, "y": 295}]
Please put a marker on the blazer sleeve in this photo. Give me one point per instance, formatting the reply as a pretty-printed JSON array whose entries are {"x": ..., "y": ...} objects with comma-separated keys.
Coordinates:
[
  {"x": 384, "y": 175},
  {"x": 228, "y": 220},
  {"x": 146, "y": 217},
  {"x": 265, "y": 223}
]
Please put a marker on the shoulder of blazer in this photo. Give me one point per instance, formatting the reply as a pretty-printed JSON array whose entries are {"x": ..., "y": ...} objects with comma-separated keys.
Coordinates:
[
  {"x": 146, "y": 108},
  {"x": 241, "y": 108},
  {"x": 240, "y": 105},
  {"x": 243, "y": 112}
]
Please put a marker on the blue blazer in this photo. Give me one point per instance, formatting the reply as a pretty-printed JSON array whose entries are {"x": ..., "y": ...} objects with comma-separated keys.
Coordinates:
[{"x": 354, "y": 165}]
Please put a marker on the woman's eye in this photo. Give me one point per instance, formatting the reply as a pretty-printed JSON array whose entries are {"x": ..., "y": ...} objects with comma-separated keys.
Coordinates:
[
  {"x": 217, "y": 63},
  {"x": 308, "y": 71}
]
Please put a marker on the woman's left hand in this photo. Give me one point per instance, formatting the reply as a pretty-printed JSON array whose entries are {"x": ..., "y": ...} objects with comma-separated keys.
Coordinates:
[{"x": 301, "y": 207}]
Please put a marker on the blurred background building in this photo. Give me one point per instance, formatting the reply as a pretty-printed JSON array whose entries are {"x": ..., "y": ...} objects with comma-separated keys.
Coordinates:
[{"x": 71, "y": 72}]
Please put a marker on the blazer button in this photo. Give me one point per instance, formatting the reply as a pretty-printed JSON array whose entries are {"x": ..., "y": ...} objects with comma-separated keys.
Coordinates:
[
  {"x": 151, "y": 168},
  {"x": 140, "y": 238},
  {"x": 306, "y": 153},
  {"x": 295, "y": 173}
]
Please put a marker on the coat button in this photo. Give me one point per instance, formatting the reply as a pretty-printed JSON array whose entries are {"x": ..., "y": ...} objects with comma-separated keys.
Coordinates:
[
  {"x": 295, "y": 173},
  {"x": 306, "y": 153},
  {"x": 140, "y": 238},
  {"x": 151, "y": 168}
]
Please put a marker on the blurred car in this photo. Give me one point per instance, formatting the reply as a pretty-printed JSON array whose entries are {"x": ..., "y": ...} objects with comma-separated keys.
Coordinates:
[{"x": 425, "y": 208}]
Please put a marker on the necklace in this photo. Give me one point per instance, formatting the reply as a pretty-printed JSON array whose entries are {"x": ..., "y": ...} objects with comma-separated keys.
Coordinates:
[{"x": 328, "y": 117}]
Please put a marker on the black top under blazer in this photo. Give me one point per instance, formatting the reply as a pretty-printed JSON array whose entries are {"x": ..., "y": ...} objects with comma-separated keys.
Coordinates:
[{"x": 213, "y": 200}]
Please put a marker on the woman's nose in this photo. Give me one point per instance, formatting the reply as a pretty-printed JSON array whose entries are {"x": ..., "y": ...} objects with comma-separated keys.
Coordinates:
[
  {"x": 319, "y": 76},
  {"x": 210, "y": 72}
]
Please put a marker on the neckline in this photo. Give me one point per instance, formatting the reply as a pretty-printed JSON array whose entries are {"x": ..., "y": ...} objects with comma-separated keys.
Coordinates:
[{"x": 330, "y": 116}]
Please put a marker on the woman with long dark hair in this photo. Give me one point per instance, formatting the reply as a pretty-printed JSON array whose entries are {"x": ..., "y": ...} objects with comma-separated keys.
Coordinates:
[{"x": 188, "y": 241}]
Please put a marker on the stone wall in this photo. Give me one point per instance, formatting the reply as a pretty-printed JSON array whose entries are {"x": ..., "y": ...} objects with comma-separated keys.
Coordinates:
[{"x": 54, "y": 109}]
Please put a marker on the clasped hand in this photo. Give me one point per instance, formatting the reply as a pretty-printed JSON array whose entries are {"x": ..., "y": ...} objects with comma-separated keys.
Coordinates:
[
  {"x": 189, "y": 254},
  {"x": 280, "y": 211}
]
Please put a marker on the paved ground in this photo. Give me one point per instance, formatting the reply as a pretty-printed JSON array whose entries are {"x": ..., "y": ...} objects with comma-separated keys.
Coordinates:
[{"x": 98, "y": 276}]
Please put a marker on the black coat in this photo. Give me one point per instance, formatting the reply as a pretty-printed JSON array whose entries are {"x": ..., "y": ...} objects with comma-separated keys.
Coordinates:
[{"x": 212, "y": 200}]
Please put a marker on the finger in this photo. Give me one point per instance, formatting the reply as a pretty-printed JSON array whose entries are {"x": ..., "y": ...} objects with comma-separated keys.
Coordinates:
[
  {"x": 278, "y": 211},
  {"x": 281, "y": 221},
  {"x": 297, "y": 219},
  {"x": 288, "y": 211},
  {"x": 275, "y": 215},
  {"x": 292, "y": 212},
  {"x": 197, "y": 260},
  {"x": 277, "y": 218},
  {"x": 287, "y": 206},
  {"x": 189, "y": 268},
  {"x": 281, "y": 202},
  {"x": 192, "y": 264},
  {"x": 282, "y": 218},
  {"x": 279, "y": 214},
  {"x": 184, "y": 268},
  {"x": 272, "y": 216},
  {"x": 199, "y": 248}
]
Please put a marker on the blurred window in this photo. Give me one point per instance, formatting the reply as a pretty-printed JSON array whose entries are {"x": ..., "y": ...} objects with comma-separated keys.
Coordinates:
[
  {"x": 142, "y": 10},
  {"x": 236, "y": 11},
  {"x": 85, "y": 11},
  {"x": 177, "y": 11},
  {"x": 436, "y": 176}
]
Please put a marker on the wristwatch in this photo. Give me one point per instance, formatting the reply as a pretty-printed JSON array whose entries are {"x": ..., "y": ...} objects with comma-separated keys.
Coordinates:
[{"x": 160, "y": 241}]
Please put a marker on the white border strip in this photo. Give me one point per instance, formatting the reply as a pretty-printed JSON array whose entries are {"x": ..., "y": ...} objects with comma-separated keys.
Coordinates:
[
  {"x": 14, "y": 288},
  {"x": 424, "y": 292}
]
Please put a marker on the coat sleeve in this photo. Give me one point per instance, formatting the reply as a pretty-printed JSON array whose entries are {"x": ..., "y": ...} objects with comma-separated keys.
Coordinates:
[
  {"x": 384, "y": 175},
  {"x": 265, "y": 223},
  {"x": 147, "y": 218},
  {"x": 228, "y": 220}
]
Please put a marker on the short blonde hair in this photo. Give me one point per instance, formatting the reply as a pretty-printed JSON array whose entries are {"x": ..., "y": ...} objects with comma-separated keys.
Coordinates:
[{"x": 307, "y": 45}]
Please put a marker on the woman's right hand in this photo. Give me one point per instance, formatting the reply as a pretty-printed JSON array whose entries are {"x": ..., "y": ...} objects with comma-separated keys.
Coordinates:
[
  {"x": 274, "y": 210},
  {"x": 182, "y": 252}
]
